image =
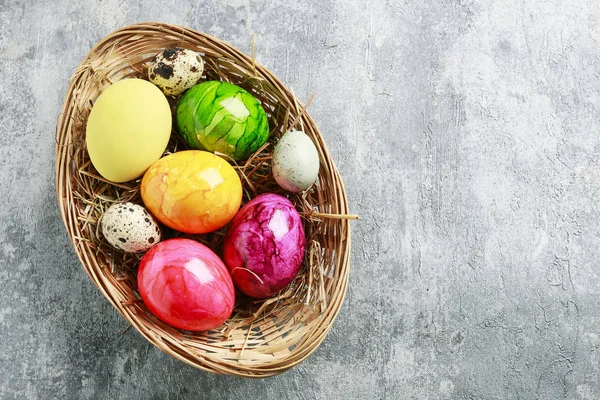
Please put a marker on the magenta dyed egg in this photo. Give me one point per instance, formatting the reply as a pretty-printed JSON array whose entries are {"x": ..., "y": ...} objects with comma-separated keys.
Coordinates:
[
  {"x": 264, "y": 245},
  {"x": 186, "y": 285}
]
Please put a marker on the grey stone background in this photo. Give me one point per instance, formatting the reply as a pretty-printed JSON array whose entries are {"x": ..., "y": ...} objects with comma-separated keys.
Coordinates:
[{"x": 467, "y": 133}]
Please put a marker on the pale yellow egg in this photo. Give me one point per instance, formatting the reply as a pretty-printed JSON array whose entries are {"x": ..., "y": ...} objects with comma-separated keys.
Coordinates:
[{"x": 128, "y": 129}]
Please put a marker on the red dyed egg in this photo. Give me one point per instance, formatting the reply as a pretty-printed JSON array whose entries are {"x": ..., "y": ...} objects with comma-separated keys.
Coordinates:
[
  {"x": 186, "y": 285},
  {"x": 264, "y": 245}
]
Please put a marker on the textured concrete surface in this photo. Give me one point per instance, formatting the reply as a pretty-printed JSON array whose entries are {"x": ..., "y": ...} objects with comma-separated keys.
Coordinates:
[{"x": 467, "y": 135}]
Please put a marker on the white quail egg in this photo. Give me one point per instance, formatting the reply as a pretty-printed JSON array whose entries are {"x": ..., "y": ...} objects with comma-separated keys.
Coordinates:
[
  {"x": 295, "y": 161},
  {"x": 130, "y": 228},
  {"x": 176, "y": 70}
]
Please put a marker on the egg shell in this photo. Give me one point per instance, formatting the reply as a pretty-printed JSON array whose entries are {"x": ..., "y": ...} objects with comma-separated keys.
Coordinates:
[
  {"x": 176, "y": 70},
  {"x": 223, "y": 117},
  {"x": 128, "y": 129},
  {"x": 186, "y": 285},
  {"x": 295, "y": 161},
  {"x": 264, "y": 245},
  {"x": 130, "y": 228},
  {"x": 192, "y": 191}
]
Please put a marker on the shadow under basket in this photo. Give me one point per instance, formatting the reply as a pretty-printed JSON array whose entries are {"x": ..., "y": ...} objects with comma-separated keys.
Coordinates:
[{"x": 262, "y": 337}]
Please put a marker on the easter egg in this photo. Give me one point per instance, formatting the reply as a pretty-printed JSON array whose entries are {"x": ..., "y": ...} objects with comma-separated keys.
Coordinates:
[
  {"x": 128, "y": 129},
  {"x": 186, "y": 285},
  {"x": 264, "y": 245},
  {"x": 192, "y": 191},
  {"x": 220, "y": 116},
  {"x": 295, "y": 161}
]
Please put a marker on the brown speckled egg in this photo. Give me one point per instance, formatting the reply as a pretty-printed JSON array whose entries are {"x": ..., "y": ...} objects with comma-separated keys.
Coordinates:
[
  {"x": 176, "y": 70},
  {"x": 130, "y": 227}
]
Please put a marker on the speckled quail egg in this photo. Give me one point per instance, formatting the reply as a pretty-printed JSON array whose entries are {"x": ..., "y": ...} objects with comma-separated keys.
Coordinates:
[
  {"x": 176, "y": 70},
  {"x": 130, "y": 228},
  {"x": 295, "y": 161}
]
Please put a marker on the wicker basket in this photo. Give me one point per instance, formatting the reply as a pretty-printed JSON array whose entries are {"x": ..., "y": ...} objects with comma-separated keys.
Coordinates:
[{"x": 261, "y": 338}]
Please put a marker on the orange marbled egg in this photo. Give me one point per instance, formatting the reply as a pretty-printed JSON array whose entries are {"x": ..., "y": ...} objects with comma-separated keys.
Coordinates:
[{"x": 192, "y": 191}]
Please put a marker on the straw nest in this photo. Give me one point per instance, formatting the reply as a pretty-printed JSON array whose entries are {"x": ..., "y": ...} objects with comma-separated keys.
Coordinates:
[{"x": 261, "y": 338}]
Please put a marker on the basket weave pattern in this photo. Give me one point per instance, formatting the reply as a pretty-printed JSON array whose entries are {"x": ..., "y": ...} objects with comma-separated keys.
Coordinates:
[{"x": 261, "y": 338}]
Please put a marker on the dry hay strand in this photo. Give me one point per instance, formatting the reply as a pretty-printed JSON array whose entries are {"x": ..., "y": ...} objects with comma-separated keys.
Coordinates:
[{"x": 262, "y": 337}]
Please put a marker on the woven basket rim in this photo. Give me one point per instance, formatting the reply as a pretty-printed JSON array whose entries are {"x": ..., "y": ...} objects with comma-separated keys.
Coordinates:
[{"x": 68, "y": 174}]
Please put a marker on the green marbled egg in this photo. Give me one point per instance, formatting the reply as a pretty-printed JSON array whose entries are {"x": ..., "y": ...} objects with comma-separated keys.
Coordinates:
[{"x": 220, "y": 116}]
